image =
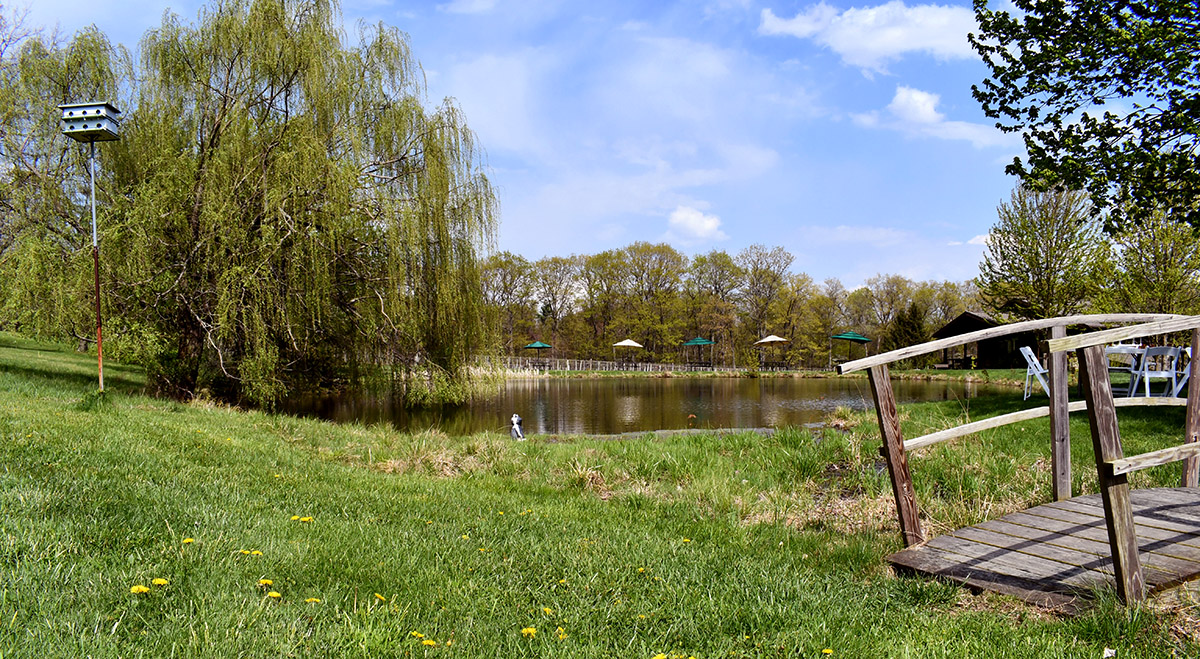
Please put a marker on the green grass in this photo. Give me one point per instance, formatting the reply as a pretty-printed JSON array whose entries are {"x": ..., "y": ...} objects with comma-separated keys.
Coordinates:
[{"x": 689, "y": 545}]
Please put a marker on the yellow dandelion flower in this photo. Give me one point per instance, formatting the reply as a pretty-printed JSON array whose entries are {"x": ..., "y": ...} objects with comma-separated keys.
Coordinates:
[
  {"x": 465, "y": 537},
  {"x": 138, "y": 589},
  {"x": 188, "y": 541},
  {"x": 641, "y": 616},
  {"x": 501, "y": 512},
  {"x": 246, "y": 551},
  {"x": 827, "y": 651},
  {"x": 659, "y": 656},
  {"x": 312, "y": 600},
  {"x": 159, "y": 581},
  {"x": 266, "y": 582},
  {"x": 417, "y": 634},
  {"x": 379, "y": 597},
  {"x": 562, "y": 581},
  {"x": 306, "y": 519},
  {"x": 256, "y": 553},
  {"x": 429, "y": 521},
  {"x": 529, "y": 632},
  {"x": 449, "y": 643},
  {"x": 687, "y": 539},
  {"x": 429, "y": 641},
  {"x": 562, "y": 633},
  {"x": 278, "y": 475},
  {"x": 295, "y": 518},
  {"x": 274, "y": 595},
  {"x": 641, "y": 569}
]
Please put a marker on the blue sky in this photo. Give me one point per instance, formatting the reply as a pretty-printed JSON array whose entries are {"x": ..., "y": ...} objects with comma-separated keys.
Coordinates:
[{"x": 845, "y": 133}]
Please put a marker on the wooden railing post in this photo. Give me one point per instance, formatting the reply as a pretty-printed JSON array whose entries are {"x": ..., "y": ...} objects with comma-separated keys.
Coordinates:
[
  {"x": 893, "y": 452},
  {"x": 1114, "y": 489},
  {"x": 1060, "y": 422},
  {"x": 1191, "y": 466}
]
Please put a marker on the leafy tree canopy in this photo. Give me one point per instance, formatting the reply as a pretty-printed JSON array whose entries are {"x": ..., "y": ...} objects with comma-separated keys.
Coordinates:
[{"x": 1107, "y": 96}]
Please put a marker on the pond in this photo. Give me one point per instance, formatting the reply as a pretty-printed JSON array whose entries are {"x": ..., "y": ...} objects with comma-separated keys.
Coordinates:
[{"x": 621, "y": 405}]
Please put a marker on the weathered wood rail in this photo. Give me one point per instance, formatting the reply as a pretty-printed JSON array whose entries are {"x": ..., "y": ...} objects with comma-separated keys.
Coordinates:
[{"x": 1112, "y": 466}]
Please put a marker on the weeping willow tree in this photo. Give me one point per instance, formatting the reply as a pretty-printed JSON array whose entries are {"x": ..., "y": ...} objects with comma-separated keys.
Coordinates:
[{"x": 285, "y": 210}]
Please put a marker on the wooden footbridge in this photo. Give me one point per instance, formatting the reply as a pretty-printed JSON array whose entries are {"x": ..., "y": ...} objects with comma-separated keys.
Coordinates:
[{"x": 1139, "y": 542}]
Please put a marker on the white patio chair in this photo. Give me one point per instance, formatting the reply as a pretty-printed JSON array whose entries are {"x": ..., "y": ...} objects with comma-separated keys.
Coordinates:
[
  {"x": 1034, "y": 369},
  {"x": 1124, "y": 360},
  {"x": 1159, "y": 364},
  {"x": 1183, "y": 371}
]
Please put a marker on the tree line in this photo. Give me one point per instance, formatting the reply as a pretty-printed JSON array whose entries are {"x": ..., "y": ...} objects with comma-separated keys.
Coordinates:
[{"x": 659, "y": 297}]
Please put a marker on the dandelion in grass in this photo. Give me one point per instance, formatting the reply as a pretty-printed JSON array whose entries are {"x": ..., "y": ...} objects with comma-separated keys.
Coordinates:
[
  {"x": 159, "y": 581},
  {"x": 641, "y": 569},
  {"x": 429, "y": 521},
  {"x": 139, "y": 589},
  {"x": 827, "y": 651},
  {"x": 313, "y": 600},
  {"x": 188, "y": 541},
  {"x": 306, "y": 519},
  {"x": 529, "y": 632},
  {"x": 274, "y": 595},
  {"x": 256, "y": 553},
  {"x": 659, "y": 656},
  {"x": 379, "y": 597},
  {"x": 562, "y": 633},
  {"x": 295, "y": 518},
  {"x": 547, "y": 610},
  {"x": 246, "y": 552},
  {"x": 687, "y": 539},
  {"x": 266, "y": 582},
  {"x": 562, "y": 581},
  {"x": 450, "y": 642},
  {"x": 417, "y": 634},
  {"x": 466, "y": 537},
  {"x": 430, "y": 642}
]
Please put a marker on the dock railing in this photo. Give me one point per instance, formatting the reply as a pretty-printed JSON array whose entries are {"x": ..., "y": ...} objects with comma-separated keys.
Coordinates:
[{"x": 894, "y": 447}]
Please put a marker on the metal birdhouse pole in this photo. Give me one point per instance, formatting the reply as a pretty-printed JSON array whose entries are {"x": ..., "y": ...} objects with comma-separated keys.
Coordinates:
[{"x": 91, "y": 123}]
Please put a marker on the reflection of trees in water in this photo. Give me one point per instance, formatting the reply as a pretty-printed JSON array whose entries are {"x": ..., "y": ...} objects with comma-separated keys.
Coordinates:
[{"x": 611, "y": 406}]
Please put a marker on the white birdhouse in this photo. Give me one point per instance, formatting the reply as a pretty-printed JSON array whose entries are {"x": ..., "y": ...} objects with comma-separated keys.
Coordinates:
[{"x": 91, "y": 122}]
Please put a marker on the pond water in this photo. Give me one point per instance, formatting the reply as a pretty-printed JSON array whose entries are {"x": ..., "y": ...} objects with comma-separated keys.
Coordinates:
[{"x": 620, "y": 405}]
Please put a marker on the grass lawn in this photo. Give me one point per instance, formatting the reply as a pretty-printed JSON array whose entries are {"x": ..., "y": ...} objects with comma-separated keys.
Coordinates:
[{"x": 284, "y": 537}]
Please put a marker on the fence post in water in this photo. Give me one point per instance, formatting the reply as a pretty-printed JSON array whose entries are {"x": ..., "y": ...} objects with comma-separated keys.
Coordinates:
[
  {"x": 1114, "y": 488},
  {"x": 893, "y": 453},
  {"x": 1191, "y": 466},
  {"x": 1060, "y": 422}
]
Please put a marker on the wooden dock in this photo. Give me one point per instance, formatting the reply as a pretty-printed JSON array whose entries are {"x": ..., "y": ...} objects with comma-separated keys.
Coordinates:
[{"x": 1055, "y": 553}]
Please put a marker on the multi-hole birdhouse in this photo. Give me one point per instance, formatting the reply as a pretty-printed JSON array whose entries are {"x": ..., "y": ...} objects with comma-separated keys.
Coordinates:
[{"x": 91, "y": 122}]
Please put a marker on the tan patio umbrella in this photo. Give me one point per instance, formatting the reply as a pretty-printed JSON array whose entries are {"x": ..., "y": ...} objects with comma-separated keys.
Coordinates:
[{"x": 627, "y": 343}]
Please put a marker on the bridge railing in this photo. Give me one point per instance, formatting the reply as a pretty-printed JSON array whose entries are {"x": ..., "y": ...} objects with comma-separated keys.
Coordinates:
[
  {"x": 894, "y": 447},
  {"x": 1112, "y": 467}
]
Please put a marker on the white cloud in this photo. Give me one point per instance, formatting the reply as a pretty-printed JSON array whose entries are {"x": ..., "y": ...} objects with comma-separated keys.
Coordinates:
[
  {"x": 915, "y": 106},
  {"x": 981, "y": 239},
  {"x": 689, "y": 225},
  {"x": 872, "y": 36},
  {"x": 468, "y": 6},
  {"x": 915, "y": 112}
]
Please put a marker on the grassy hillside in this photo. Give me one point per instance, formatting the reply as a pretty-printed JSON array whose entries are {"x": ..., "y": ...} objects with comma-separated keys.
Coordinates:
[{"x": 284, "y": 537}]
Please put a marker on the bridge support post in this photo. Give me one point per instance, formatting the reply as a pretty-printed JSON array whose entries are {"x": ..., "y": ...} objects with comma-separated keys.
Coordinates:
[
  {"x": 893, "y": 453},
  {"x": 1114, "y": 489},
  {"x": 1191, "y": 466},
  {"x": 1060, "y": 422}
]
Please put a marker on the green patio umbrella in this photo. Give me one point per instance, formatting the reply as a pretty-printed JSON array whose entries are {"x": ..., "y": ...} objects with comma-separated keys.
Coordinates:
[
  {"x": 538, "y": 345},
  {"x": 852, "y": 337},
  {"x": 700, "y": 341}
]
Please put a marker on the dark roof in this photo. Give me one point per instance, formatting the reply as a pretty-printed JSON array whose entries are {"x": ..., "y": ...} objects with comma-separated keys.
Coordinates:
[{"x": 967, "y": 321}]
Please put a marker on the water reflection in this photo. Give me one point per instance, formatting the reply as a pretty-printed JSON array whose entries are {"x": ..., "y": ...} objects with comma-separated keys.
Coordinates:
[{"x": 609, "y": 406}]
